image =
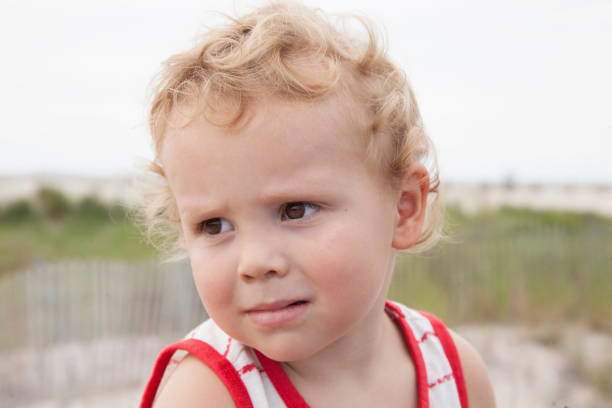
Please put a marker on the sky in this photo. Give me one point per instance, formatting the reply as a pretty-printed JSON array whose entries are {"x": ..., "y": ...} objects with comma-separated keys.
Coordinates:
[{"x": 517, "y": 90}]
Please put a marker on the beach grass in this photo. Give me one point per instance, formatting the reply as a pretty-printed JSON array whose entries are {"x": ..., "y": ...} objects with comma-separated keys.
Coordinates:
[
  {"x": 501, "y": 265},
  {"x": 514, "y": 264},
  {"x": 49, "y": 227}
]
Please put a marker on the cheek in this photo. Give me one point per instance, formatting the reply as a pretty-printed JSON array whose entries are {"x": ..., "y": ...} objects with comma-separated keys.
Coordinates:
[
  {"x": 349, "y": 258},
  {"x": 212, "y": 280}
]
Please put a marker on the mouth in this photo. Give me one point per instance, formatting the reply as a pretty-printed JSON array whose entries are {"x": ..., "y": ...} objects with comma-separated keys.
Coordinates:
[
  {"x": 276, "y": 314},
  {"x": 278, "y": 305}
]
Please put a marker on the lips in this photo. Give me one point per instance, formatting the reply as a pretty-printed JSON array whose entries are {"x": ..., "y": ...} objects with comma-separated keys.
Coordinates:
[
  {"x": 280, "y": 304},
  {"x": 279, "y": 313}
]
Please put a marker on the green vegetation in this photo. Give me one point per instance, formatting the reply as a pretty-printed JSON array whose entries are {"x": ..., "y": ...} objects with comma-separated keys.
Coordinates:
[
  {"x": 514, "y": 264},
  {"x": 511, "y": 264},
  {"x": 49, "y": 226}
]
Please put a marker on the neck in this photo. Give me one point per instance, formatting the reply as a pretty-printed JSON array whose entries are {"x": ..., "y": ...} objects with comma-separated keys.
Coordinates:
[{"x": 353, "y": 356}]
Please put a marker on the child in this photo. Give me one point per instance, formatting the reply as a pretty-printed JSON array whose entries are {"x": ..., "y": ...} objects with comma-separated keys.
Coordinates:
[{"x": 293, "y": 154}]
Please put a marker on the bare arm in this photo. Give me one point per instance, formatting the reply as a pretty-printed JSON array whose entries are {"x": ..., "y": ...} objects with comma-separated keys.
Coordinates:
[
  {"x": 193, "y": 384},
  {"x": 477, "y": 383}
]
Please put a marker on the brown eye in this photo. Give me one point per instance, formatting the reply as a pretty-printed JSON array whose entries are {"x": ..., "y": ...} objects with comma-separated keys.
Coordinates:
[
  {"x": 214, "y": 226},
  {"x": 295, "y": 210}
]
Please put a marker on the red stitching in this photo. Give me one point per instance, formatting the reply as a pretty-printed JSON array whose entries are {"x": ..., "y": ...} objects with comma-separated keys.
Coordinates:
[
  {"x": 426, "y": 335},
  {"x": 451, "y": 354},
  {"x": 175, "y": 361},
  {"x": 441, "y": 380},
  {"x": 229, "y": 342},
  {"x": 209, "y": 356},
  {"x": 248, "y": 368}
]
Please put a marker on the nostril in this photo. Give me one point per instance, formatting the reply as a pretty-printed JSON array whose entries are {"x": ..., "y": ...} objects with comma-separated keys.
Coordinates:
[
  {"x": 261, "y": 264},
  {"x": 246, "y": 277}
]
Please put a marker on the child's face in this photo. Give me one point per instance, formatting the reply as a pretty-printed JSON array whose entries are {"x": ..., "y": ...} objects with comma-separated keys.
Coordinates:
[{"x": 280, "y": 211}]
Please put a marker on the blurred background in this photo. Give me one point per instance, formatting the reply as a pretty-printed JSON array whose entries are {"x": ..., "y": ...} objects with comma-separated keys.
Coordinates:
[{"x": 515, "y": 95}]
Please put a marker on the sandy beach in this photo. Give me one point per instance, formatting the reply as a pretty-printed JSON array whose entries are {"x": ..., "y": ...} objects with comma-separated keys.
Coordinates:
[{"x": 529, "y": 367}]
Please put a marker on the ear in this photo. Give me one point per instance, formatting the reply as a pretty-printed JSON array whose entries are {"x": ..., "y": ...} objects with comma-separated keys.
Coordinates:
[{"x": 411, "y": 206}]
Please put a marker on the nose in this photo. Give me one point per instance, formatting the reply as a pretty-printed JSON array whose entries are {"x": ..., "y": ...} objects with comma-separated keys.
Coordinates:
[{"x": 262, "y": 258}]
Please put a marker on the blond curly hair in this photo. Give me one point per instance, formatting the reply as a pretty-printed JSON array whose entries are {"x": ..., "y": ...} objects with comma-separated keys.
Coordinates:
[{"x": 287, "y": 50}]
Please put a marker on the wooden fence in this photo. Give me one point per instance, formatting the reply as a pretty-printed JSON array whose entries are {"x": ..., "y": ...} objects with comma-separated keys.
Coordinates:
[
  {"x": 69, "y": 329},
  {"x": 73, "y": 328}
]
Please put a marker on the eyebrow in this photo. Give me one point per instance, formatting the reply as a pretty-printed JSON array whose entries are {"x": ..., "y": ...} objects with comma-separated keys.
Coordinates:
[
  {"x": 311, "y": 186},
  {"x": 294, "y": 194},
  {"x": 198, "y": 209},
  {"x": 305, "y": 182}
]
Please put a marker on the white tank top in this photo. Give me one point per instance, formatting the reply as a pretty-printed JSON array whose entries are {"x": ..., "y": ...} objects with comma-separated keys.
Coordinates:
[{"x": 255, "y": 381}]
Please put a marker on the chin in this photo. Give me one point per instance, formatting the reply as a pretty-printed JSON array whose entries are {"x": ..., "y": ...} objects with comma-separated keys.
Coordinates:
[
  {"x": 285, "y": 356},
  {"x": 286, "y": 351}
]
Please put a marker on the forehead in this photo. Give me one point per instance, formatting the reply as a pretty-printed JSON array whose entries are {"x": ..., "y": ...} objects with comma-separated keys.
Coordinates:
[
  {"x": 306, "y": 129},
  {"x": 281, "y": 147}
]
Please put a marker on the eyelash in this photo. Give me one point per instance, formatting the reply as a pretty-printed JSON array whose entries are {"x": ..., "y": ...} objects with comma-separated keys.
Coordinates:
[
  {"x": 201, "y": 227},
  {"x": 306, "y": 204}
]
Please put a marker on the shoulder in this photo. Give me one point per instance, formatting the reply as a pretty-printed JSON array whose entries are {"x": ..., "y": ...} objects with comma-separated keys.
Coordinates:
[
  {"x": 192, "y": 384},
  {"x": 477, "y": 382}
]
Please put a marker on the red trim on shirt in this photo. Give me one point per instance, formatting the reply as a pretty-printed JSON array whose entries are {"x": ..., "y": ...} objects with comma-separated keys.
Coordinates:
[
  {"x": 281, "y": 382},
  {"x": 227, "y": 347},
  {"x": 415, "y": 351},
  {"x": 451, "y": 354},
  {"x": 425, "y": 336},
  {"x": 228, "y": 374},
  {"x": 441, "y": 380},
  {"x": 209, "y": 356}
]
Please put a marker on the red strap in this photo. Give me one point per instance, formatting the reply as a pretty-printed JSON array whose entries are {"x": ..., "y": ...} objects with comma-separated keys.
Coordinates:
[
  {"x": 415, "y": 351},
  {"x": 451, "y": 354},
  {"x": 209, "y": 356},
  {"x": 281, "y": 382}
]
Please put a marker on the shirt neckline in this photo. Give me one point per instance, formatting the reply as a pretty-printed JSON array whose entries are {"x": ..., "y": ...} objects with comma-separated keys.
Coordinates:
[{"x": 293, "y": 399}]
